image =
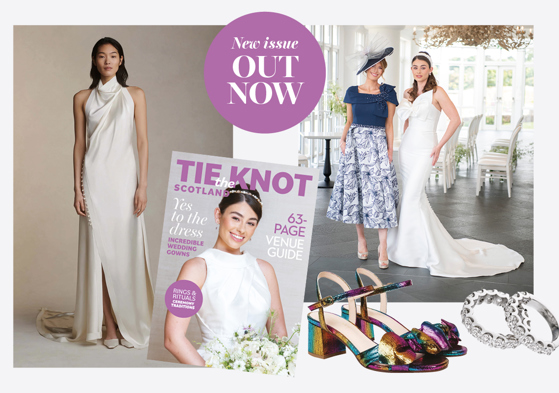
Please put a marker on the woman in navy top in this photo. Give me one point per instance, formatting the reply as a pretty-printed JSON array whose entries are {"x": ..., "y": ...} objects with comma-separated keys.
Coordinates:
[{"x": 366, "y": 189}]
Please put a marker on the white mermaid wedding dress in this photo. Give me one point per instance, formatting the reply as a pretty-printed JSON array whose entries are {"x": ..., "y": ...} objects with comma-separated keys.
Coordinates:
[{"x": 420, "y": 240}]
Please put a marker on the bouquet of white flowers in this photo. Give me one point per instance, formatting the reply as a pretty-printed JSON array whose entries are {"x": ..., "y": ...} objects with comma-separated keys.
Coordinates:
[{"x": 255, "y": 353}]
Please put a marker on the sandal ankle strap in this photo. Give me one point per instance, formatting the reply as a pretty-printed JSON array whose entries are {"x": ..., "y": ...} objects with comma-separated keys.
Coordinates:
[{"x": 377, "y": 281}]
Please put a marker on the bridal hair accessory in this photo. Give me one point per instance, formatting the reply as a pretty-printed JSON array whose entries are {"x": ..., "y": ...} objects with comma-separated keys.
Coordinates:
[
  {"x": 378, "y": 48},
  {"x": 516, "y": 315},
  {"x": 426, "y": 55},
  {"x": 246, "y": 193}
]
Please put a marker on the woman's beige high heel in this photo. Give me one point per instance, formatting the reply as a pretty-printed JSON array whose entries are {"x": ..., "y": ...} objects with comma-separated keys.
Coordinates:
[{"x": 382, "y": 264}]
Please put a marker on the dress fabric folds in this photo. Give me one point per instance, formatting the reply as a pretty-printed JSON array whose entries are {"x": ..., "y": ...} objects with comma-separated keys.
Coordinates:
[
  {"x": 112, "y": 240},
  {"x": 420, "y": 239},
  {"x": 235, "y": 296}
]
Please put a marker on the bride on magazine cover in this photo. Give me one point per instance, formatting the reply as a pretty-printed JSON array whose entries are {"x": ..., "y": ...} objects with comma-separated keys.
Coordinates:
[
  {"x": 238, "y": 289},
  {"x": 420, "y": 240},
  {"x": 114, "y": 284}
]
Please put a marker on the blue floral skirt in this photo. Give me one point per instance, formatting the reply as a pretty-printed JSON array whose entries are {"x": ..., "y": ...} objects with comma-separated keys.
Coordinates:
[{"x": 366, "y": 189}]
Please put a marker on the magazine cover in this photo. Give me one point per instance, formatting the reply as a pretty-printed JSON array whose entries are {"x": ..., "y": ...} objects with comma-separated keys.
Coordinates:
[{"x": 233, "y": 261}]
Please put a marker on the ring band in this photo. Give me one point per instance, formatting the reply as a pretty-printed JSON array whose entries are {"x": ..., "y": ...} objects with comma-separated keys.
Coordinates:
[
  {"x": 492, "y": 296},
  {"x": 519, "y": 322}
]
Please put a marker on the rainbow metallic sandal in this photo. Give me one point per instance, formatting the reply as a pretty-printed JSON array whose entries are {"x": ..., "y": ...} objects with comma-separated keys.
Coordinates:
[
  {"x": 330, "y": 334},
  {"x": 432, "y": 338}
]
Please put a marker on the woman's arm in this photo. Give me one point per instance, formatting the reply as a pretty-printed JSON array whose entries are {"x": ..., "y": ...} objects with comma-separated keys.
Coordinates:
[
  {"x": 389, "y": 127},
  {"x": 346, "y": 127},
  {"x": 407, "y": 122},
  {"x": 175, "y": 327},
  {"x": 277, "y": 326},
  {"x": 444, "y": 101},
  {"x": 79, "y": 148},
  {"x": 140, "y": 117}
]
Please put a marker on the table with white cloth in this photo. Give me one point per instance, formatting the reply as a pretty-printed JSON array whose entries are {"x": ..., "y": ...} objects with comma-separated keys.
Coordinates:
[{"x": 327, "y": 164}]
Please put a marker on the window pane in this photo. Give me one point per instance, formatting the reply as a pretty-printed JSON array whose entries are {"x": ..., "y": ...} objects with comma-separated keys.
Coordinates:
[
  {"x": 327, "y": 32},
  {"x": 492, "y": 54},
  {"x": 454, "y": 54},
  {"x": 469, "y": 54},
  {"x": 468, "y": 94},
  {"x": 507, "y": 78},
  {"x": 334, "y": 65},
  {"x": 508, "y": 56},
  {"x": 318, "y": 33},
  {"x": 328, "y": 65},
  {"x": 454, "y": 78},
  {"x": 335, "y": 35},
  {"x": 529, "y": 54},
  {"x": 491, "y": 78},
  {"x": 528, "y": 112}
]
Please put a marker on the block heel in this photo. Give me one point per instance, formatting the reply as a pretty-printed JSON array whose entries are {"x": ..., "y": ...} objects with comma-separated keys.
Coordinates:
[{"x": 322, "y": 344}]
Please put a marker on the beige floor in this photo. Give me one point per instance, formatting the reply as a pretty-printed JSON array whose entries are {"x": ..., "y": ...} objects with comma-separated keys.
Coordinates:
[{"x": 33, "y": 350}]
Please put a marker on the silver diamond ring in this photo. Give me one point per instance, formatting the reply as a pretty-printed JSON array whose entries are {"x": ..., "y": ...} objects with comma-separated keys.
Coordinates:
[
  {"x": 492, "y": 296},
  {"x": 519, "y": 322}
]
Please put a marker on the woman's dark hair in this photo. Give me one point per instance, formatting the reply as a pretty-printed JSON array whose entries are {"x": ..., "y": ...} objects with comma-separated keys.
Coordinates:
[
  {"x": 121, "y": 74},
  {"x": 253, "y": 199},
  {"x": 431, "y": 81}
]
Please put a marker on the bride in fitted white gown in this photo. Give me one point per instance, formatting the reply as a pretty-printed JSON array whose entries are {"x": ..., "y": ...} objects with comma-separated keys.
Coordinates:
[{"x": 420, "y": 240}]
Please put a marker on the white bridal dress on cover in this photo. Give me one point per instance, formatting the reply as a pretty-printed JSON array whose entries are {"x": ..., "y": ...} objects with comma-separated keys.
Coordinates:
[
  {"x": 420, "y": 240},
  {"x": 111, "y": 239},
  {"x": 235, "y": 295}
]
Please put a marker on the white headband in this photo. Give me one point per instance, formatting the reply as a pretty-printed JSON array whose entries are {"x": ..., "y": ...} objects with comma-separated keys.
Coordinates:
[{"x": 425, "y": 55}]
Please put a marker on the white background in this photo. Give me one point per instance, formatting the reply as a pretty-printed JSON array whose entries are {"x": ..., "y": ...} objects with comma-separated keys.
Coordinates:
[{"x": 483, "y": 369}]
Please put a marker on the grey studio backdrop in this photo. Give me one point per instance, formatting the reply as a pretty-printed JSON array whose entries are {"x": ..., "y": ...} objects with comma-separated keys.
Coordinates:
[
  {"x": 51, "y": 64},
  {"x": 290, "y": 273}
]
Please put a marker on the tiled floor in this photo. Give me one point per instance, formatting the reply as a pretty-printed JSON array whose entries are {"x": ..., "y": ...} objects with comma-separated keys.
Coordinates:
[{"x": 491, "y": 217}]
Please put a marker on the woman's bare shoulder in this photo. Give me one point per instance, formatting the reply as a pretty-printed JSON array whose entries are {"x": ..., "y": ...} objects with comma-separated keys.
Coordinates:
[
  {"x": 82, "y": 95},
  {"x": 194, "y": 269},
  {"x": 266, "y": 267},
  {"x": 136, "y": 92}
]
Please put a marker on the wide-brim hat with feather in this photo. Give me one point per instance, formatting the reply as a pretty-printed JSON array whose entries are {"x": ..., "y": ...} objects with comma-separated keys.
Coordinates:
[{"x": 378, "y": 48}]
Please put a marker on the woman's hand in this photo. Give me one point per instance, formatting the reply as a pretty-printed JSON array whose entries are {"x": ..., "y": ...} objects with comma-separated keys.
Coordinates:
[
  {"x": 140, "y": 201},
  {"x": 79, "y": 204},
  {"x": 390, "y": 155},
  {"x": 342, "y": 147},
  {"x": 435, "y": 154}
]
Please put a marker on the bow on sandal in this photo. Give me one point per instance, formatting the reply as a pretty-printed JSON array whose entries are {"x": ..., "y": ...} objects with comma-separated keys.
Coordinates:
[
  {"x": 330, "y": 334},
  {"x": 432, "y": 338}
]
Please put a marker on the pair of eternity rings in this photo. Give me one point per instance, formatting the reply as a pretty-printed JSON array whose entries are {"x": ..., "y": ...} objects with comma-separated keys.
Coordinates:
[{"x": 517, "y": 318}]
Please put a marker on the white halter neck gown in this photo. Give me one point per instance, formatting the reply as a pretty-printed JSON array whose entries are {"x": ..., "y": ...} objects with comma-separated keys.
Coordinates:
[
  {"x": 235, "y": 295},
  {"x": 420, "y": 240},
  {"x": 112, "y": 239}
]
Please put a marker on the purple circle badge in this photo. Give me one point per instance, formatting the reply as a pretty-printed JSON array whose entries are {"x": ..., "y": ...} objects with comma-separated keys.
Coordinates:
[
  {"x": 183, "y": 298},
  {"x": 264, "y": 72}
]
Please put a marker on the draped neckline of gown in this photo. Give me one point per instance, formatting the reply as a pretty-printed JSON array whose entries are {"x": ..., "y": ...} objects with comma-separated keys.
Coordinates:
[
  {"x": 430, "y": 101},
  {"x": 226, "y": 259},
  {"x": 109, "y": 89}
]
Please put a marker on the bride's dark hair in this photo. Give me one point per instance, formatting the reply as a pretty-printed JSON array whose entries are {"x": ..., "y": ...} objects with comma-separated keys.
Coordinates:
[
  {"x": 252, "y": 197},
  {"x": 121, "y": 74},
  {"x": 431, "y": 81}
]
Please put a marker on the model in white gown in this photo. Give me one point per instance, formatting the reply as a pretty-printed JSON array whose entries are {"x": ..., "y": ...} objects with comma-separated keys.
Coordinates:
[
  {"x": 236, "y": 296},
  {"x": 111, "y": 239},
  {"x": 420, "y": 240}
]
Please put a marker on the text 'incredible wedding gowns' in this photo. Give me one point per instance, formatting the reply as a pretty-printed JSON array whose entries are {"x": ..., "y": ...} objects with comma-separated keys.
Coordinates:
[
  {"x": 235, "y": 295},
  {"x": 420, "y": 240},
  {"x": 112, "y": 239}
]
